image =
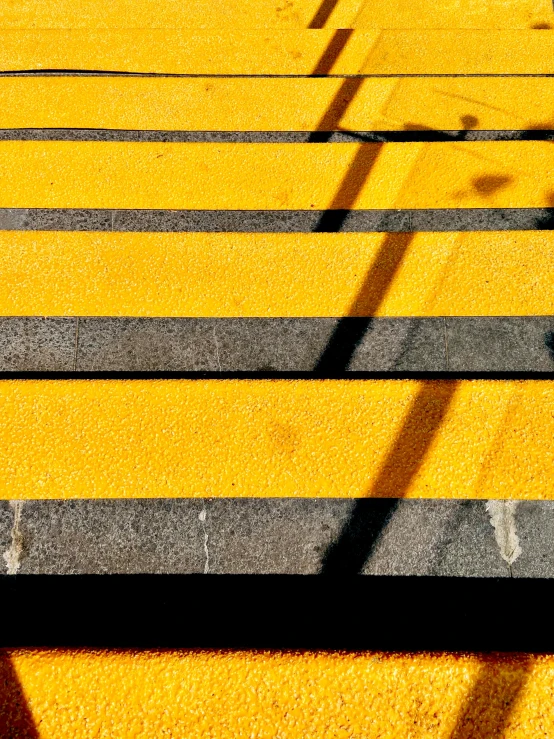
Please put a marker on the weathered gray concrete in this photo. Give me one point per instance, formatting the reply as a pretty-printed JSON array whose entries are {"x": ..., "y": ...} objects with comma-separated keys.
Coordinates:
[
  {"x": 260, "y": 221},
  {"x": 518, "y": 344},
  {"x": 500, "y": 344},
  {"x": 535, "y": 528},
  {"x": 55, "y": 219},
  {"x": 135, "y": 344},
  {"x": 253, "y": 344},
  {"x": 482, "y": 219},
  {"x": 262, "y": 536},
  {"x": 37, "y": 344},
  {"x": 124, "y": 536},
  {"x": 277, "y": 137}
]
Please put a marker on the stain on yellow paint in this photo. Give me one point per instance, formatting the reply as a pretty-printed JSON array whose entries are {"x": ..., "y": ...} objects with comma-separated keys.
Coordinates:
[
  {"x": 274, "y": 104},
  {"x": 36, "y": 174},
  {"x": 233, "y": 438},
  {"x": 278, "y": 51},
  {"x": 223, "y": 694},
  {"x": 276, "y": 275}
]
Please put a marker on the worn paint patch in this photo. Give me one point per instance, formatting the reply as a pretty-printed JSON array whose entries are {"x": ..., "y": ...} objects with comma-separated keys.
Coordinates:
[
  {"x": 12, "y": 556},
  {"x": 502, "y": 516}
]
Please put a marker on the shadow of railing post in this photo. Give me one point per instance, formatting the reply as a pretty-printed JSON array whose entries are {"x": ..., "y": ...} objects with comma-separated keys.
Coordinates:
[
  {"x": 493, "y": 696},
  {"x": 16, "y": 720},
  {"x": 362, "y": 531}
]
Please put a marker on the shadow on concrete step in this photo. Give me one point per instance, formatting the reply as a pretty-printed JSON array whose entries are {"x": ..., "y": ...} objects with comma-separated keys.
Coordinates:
[{"x": 278, "y": 611}]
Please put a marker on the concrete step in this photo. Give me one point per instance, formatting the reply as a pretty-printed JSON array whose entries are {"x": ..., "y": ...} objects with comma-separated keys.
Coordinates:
[
  {"x": 279, "y": 536},
  {"x": 285, "y": 347}
]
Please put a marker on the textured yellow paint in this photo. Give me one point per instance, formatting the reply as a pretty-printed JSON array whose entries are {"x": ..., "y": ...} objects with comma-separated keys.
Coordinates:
[
  {"x": 281, "y": 52},
  {"x": 276, "y": 104},
  {"x": 458, "y": 14},
  {"x": 224, "y": 695},
  {"x": 276, "y": 275},
  {"x": 36, "y": 174},
  {"x": 186, "y": 438},
  {"x": 238, "y": 14},
  {"x": 230, "y": 14}
]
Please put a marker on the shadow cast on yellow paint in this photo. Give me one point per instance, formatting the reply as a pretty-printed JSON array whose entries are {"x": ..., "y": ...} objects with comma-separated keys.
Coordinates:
[
  {"x": 487, "y": 709},
  {"x": 16, "y": 720}
]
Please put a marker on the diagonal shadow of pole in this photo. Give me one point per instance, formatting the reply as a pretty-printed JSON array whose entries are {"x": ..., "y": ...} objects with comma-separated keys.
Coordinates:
[
  {"x": 426, "y": 414},
  {"x": 323, "y": 13},
  {"x": 493, "y": 697},
  {"x": 16, "y": 720}
]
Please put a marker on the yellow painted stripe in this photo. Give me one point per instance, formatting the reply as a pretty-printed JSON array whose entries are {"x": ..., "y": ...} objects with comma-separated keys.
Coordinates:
[
  {"x": 86, "y": 694},
  {"x": 499, "y": 14},
  {"x": 36, "y": 174},
  {"x": 233, "y": 438},
  {"x": 231, "y": 14},
  {"x": 237, "y": 14},
  {"x": 281, "y": 52},
  {"x": 276, "y": 275},
  {"x": 377, "y": 104}
]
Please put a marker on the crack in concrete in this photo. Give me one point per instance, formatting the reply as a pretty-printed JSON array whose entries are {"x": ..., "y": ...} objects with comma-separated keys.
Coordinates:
[
  {"x": 502, "y": 518},
  {"x": 202, "y": 519},
  {"x": 12, "y": 556}
]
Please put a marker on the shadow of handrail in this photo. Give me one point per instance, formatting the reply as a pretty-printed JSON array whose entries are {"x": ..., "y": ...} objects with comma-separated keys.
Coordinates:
[
  {"x": 16, "y": 720},
  {"x": 488, "y": 707}
]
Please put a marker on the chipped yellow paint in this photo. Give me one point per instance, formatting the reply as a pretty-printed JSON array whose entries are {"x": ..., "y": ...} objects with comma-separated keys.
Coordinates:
[
  {"x": 288, "y": 104},
  {"x": 303, "y": 438},
  {"x": 276, "y": 275},
  {"x": 36, "y": 174},
  {"x": 238, "y": 14},
  {"x": 302, "y": 52},
  {"x": 308, "y": 695}
]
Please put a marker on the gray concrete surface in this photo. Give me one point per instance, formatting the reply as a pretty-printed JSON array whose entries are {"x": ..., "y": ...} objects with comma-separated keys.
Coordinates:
[
  {"x": 37, "y": 344},
  {"x": 253, "y": 344},
  {"x": 287, "y": 536},
  {"x": 499, "y": 344},
  {"x": 260, "y": 221},
  {"x": 268, "y": 137},
  {"x": 519, "y": 344},
  {"x": 535, "y": 526}
]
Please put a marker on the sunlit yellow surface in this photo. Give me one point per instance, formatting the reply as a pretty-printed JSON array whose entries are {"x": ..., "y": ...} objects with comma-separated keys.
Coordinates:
[
  {"x": 274, "y": 51},
  {"x": 304, "y": 438},
  {"x": 270, "y": 104},
  {"x": 508, "y": 14},
  {"x": 276, "y": 275},
  {"x": 228, "y": 14},
  {"x": 86, "y": 694},
  {"x": 515, "y": 174}
]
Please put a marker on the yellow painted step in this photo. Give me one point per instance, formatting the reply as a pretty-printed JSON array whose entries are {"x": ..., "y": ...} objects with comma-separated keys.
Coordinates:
[
  {"x": 276, "y": 275},
  {"x": 84, "y": 694},
  {"x": 252, "y": 438},
  {"x": 235, "y": 14},
  {"x": 301, "y": 52},
  {"x": 515, "y": 174},
  {"x": 287, "y": 104}
]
